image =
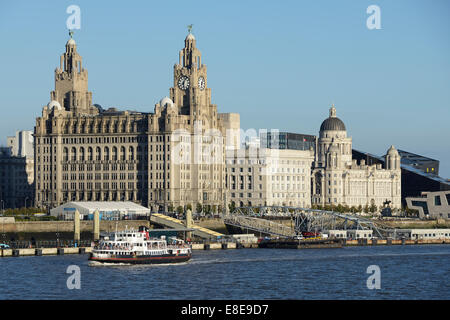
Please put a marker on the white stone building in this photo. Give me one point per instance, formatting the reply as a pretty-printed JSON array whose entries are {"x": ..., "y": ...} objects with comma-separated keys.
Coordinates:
[
  {"x": 337, "y": 179},
  {"x": 266, "y": 177}
]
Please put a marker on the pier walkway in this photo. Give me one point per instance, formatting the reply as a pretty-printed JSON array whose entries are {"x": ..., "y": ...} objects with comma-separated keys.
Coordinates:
[{"x": 173, "y": 223}]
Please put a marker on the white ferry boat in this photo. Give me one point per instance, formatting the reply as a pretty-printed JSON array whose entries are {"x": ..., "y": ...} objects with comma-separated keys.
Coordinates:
[{"x": 136, "y": 247}]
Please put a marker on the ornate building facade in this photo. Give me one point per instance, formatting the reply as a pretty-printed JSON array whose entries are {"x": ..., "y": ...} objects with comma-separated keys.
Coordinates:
[
  {"x": 172, "y": 157},
  {"x": 338, "y": 179}
]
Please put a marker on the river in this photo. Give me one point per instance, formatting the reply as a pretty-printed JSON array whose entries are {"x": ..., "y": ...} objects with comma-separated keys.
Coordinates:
[{"x": 405, "y": 272}]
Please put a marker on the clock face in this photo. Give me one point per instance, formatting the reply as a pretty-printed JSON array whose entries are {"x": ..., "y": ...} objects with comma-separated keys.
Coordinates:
[
  {"x": 201, "y": 83},
  {"x": 183, "y": 83}
]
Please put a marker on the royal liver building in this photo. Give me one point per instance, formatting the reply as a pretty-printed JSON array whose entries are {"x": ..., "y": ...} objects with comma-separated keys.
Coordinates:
[
  {"x": 169, "y": 158},
  {"x": 338, "y": 179}
]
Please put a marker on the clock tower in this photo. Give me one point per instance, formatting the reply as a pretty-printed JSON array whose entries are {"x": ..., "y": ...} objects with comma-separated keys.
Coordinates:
[{"x": 190, "y": 92}]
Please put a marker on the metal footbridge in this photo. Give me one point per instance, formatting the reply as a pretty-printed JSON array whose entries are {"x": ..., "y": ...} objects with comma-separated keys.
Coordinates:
[
  {"x": 173, "y": 223},
  {"x": 305, "y": 219},
  {"x": 259, "y": 225}
]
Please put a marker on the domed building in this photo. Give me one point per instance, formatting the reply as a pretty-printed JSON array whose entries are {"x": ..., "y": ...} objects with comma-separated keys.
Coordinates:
[
  {"x": 338, "y": 179},
  {"x": 87, "y": 153}
]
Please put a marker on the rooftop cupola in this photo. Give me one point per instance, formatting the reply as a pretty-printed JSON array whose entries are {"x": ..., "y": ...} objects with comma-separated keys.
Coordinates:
[
  {"x": 332, "y": 123},
  {"x": 190, "y": 56},
  {"x": 71, "y": 81}
]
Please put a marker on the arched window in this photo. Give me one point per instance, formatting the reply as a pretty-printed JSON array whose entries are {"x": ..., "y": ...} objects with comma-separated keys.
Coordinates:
[
  {"x": 90, "y": 156},
  {"x": 66, "y": 154},
  {"x": 98, "y": 154},
  {"x": 74, "y": 154},
  {"x": 122, "y": 153},
  {"x": 82, "y": 154},
  {"x": 106, "y": 153},
  {"x": 131, "y": 153},
  {"x": 114, "y": 154}
]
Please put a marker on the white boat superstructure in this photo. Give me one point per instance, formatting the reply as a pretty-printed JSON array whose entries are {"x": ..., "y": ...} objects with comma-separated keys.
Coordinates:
[{"x": 137, "y": 247}]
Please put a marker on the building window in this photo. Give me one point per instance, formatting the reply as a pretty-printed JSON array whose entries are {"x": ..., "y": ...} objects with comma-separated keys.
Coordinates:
[
  {"x": 437, "y": 200},
  {"x": 422, "y": 204}
]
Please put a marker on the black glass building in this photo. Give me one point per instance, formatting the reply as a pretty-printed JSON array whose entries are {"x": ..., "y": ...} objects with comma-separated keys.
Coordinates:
[{"x": 287, "y": 140}]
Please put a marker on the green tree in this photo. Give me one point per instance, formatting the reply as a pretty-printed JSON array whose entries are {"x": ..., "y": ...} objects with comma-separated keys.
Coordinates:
[
  {"x": 232, "y": 206},
  {"x": 180, "y": 210},
  {"x": 199, "y": 208}
]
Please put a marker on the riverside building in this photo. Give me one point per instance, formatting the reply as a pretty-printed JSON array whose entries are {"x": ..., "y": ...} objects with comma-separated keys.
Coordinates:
[
  {"x": 339, "y": 179},
  {"x": 269, "y": 177},
  {"x": 171, "y": 157},
  {"x": 17, "y": 171}
]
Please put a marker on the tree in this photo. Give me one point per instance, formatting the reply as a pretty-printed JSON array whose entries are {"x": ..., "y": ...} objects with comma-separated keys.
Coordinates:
[
  {"x": 189, "y": 206},
  {"x": 232, "y": 206},
  {"x": 199, "y": 208},
  {"x": 180, "y": 210}
]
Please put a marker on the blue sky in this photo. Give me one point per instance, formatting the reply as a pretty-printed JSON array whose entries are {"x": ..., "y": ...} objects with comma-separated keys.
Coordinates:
[{"x": 279, "y": 64}]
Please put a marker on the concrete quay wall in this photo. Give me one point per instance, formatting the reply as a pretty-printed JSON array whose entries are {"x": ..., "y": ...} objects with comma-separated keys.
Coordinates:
[
  {"x": 42, "y": 251},
  {"x": 68, "y": 226}
]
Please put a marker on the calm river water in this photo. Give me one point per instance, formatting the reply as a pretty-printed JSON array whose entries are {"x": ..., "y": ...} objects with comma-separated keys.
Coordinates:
[{"x": 406, "y": 272}]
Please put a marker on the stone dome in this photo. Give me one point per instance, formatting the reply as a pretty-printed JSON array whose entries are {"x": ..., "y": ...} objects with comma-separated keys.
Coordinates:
[
  {"x": 392, "y": 151},
  {"x": 332, "y": 123},
  {"x": 54, "y": 104},
  {"x": 71, "y": 42},
  {"x": 190, "y": 36},
  {"x": 164, "y": 101}
]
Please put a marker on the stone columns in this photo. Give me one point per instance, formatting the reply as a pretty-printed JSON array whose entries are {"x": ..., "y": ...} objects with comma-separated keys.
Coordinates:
[
  {"x": 96, "y": 225},
  {"x": 188, "y": 222},
  {"x": 76, "y": 226}
]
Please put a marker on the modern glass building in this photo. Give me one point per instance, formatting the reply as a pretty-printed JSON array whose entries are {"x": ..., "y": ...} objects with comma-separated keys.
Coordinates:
[{"x": 287, "y": 140}]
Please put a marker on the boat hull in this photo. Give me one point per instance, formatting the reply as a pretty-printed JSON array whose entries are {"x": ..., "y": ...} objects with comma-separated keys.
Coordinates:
[{"x": 142, "y": 259}]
